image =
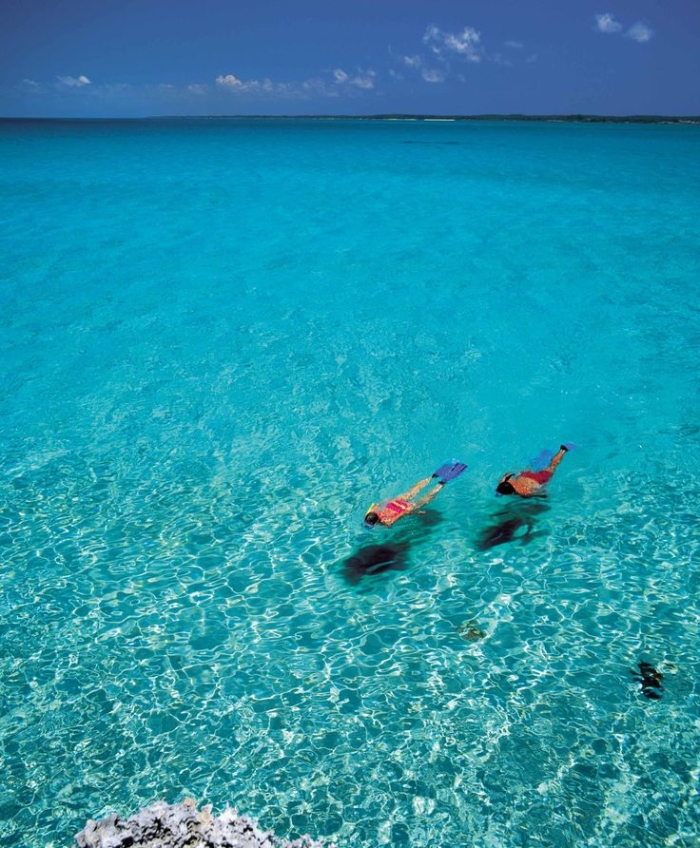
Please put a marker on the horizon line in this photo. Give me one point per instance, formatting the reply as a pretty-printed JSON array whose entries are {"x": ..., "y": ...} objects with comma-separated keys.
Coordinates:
[{"x": 523, "y": 116}]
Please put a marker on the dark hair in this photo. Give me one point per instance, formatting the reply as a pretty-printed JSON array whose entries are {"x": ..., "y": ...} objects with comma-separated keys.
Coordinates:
[
  {"x": 505, "y": 488},
  {"x": 371, "y": 518}
]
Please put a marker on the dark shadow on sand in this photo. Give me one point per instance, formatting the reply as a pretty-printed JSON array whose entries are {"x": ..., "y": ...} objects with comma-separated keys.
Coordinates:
[
  {"x": 390, "y": 552},
  {"x": 376, "y": 559},
  {"x": 515, "y": 522}
]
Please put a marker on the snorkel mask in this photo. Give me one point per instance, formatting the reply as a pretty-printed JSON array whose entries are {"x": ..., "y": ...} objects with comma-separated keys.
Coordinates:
[
  {"x": 371, "y": 517},
  {"x": 504, "y": 487}
]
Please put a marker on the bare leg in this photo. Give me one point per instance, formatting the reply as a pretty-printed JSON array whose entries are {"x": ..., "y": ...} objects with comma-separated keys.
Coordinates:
[
  {"x": 427, "y": 498},
  {"x": 556, "y": 459},
  {"x": 413, "y": 491}
]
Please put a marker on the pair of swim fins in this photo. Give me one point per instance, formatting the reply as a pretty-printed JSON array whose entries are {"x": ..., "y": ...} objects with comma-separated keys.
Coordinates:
[
  {"x": 449, "y": 471},
  {"x": 453, "y": 469},
  {"x": 544, "y": 457}
]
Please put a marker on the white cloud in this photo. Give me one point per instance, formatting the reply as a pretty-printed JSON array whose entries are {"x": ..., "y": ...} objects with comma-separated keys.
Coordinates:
[
  {"x": 197, "y": 88},
  {"x": 640, "y": 32},
  {"x": 74, "y": 82},
  {"x": 82, "y": 88},
  {"x": 412, "y": 61},
  {"x": 363, "y": 79},
  {"x": 433, "y": 38},
  {"x": 33, "y": 88},
  {"x": 230, "y": 81},
  {"x": 433, "y": 75},
  {"x": 233, "y": 83},
  {"x": 606, "y": 23},
  {"x": 466, "y": 43},
  {"x": 302, "y": 90}
]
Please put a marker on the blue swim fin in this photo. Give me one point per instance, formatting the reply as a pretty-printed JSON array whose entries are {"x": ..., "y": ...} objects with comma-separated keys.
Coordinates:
[
  {"x": 544, "y": 457},
  {"x": 449, "y": 471},
  {"x": 542, "y": 460}
]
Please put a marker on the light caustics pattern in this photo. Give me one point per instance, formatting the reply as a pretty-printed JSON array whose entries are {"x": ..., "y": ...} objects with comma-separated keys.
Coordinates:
[{"x": 221, "y": 341}]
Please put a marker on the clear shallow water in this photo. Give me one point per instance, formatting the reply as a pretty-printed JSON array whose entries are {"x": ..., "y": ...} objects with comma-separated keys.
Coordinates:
[{"x": 221, "y": 340}]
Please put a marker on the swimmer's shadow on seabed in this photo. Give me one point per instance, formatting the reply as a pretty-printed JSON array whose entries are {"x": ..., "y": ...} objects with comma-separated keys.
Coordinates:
[
  {"x": 515, "y": 522},
  {"x": 390, "y": 553}
]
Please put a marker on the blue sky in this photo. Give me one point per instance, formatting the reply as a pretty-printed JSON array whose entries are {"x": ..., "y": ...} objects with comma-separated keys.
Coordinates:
[{"x": 129, "y": 58}]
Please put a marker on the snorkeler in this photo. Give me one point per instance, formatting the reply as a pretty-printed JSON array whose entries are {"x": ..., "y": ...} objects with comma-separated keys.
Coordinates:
[
  {"x": 390, "y": 511},
  {"x": 531, "y": 483}
]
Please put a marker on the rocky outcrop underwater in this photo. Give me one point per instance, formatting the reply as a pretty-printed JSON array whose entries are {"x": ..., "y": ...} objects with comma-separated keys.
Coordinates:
[{"x": 182, "y": 826}]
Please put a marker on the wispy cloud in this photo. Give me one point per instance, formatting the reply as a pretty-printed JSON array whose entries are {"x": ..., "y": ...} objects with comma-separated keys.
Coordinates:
[
  {"x": 31, "y": 88},
  {"x": 418, "y": 63},
  {"x": 444, "y": 50},
  {"x": 363, "y": 79},
  {"x": 233, "y": 83},
  {"x": 466, "y": 43},
  {"x": 302, "y": 90},
  {"x": 224, "y": 86},
  {"x": 606, "y": 23},
  {"x": 74, "y": 82},
  {"x": 640, "y": 32},
  {"x": 431, "y": 75}
]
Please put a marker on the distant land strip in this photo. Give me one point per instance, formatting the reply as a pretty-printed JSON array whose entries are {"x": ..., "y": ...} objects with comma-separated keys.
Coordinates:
[
  {"x": 399, "y": 116},
  {"x": 571, "y": 119},
  {"x": 583, "y": 119}
]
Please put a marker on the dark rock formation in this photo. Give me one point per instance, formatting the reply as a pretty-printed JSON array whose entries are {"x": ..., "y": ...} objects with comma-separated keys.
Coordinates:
[{"x": 182, "y": 826}]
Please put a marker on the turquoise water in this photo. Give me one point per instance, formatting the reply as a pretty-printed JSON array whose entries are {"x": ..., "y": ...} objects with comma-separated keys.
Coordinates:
[{"x": 221, "y": 340}]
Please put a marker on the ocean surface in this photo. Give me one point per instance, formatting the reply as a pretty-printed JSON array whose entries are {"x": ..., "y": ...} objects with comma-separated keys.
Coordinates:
[{"x": 221, "y": 341}]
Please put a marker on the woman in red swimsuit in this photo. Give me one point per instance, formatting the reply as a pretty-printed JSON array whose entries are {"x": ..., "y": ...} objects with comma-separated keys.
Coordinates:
[
  {"x": 401, "y": 505},
  {"x": 530, "y": 484}
]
